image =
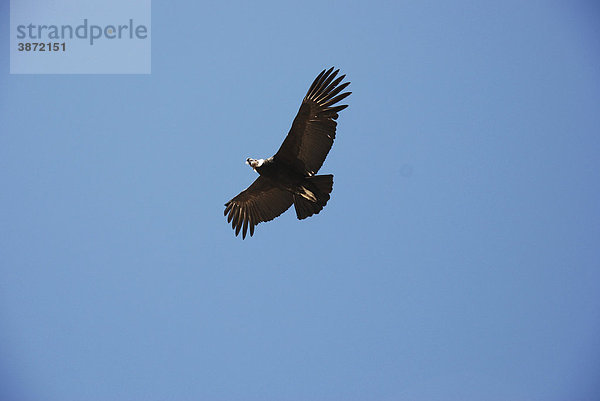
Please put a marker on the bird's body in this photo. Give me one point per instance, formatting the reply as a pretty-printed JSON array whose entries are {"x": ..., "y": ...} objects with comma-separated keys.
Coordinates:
[
  {"x": 279, "y": 174},
  {"x": 297, "y": 183},
  {"x": 289, "y": 177}
]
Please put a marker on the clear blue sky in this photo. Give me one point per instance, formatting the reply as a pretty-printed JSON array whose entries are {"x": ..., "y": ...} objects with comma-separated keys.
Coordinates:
[{"x": 458, "y": 259}]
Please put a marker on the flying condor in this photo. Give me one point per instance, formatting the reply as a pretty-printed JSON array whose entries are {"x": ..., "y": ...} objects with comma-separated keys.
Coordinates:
[{"x": 289, "y": 177}]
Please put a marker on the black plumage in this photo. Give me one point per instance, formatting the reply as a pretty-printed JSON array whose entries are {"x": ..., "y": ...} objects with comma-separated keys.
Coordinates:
[{"x": 289, "y": 177}]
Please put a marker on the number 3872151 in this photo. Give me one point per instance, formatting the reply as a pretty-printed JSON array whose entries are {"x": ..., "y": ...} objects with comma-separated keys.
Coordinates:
[{"x": 41, "y": 47}]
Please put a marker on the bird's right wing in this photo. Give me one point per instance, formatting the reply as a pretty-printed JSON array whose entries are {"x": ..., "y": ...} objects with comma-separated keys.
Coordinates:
[{"x": 260, "y": 202}]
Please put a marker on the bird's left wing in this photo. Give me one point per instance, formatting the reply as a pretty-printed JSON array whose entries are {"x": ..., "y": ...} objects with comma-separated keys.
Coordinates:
[
  {"x": 261, "y": 201},
  {"x": 307, "y": 144}
]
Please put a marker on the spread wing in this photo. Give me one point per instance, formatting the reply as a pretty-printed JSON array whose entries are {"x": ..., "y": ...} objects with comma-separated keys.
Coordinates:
[
  {"x": 260, "y": 202},
  {"x": 313, "y": 130}
]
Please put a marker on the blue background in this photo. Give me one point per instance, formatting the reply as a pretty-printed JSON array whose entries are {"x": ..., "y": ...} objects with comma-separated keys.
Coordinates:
[{"x": 458, "y": 258}]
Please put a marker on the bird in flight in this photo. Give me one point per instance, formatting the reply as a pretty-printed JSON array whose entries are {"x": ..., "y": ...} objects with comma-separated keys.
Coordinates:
[{"x": 289, "y": 177}]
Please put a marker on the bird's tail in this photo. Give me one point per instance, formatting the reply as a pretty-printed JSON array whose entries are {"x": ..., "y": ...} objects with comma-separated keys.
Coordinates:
[{"x": 313, "y": 195}]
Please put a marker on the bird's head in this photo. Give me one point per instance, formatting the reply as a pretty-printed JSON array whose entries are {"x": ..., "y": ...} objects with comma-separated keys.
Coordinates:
[{"x": 254, "y": 163}]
